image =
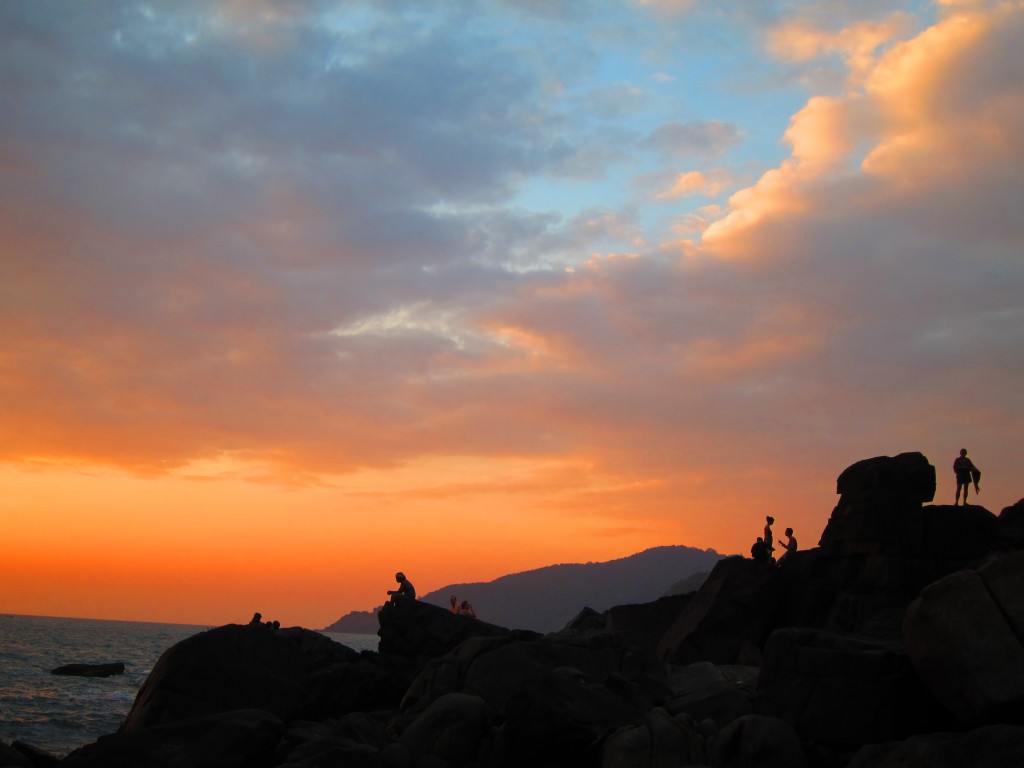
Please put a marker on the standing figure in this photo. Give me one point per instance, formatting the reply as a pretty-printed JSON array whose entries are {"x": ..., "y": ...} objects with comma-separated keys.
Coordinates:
[
  {"x": 966, "y": 473},
  {"x": 405, "y": 591},
  {"x": 768, "y": 537}
]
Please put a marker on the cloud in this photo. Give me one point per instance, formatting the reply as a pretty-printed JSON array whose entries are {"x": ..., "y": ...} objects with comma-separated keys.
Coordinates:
[{"x": 704, "y": 138}]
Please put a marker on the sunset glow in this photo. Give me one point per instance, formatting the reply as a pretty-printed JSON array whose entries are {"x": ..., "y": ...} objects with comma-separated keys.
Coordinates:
[{"x": 296, "y": 295}]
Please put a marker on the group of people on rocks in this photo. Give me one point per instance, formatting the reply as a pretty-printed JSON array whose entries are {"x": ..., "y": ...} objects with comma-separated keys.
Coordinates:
[
  {"x": 257, "y": 620},
  {"x": 966, "y": 475},
  {"x": 764, "y": 546}
]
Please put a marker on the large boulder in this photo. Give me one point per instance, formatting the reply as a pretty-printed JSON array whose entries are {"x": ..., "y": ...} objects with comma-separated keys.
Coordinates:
[
  {"x": 906, "y": 478},
  {"x": 994, "y": 746},
  {"x": 660, "y": 741},
  {"x": 235, "y": 739},
  {"x": 965, "y": 637},
  {"x": 643, "y": 625},
  {"x": 756, "y": 741},
  {"x": 729, "y": 618},
  {"x": 420, "y": 631},
  {"x": 841, "y": 690},
  {"x": 292, "y": 673},
  {"x": 716, "y": 692}
]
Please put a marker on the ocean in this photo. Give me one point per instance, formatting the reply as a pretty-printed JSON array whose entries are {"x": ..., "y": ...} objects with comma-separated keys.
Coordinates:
[{"x": 59, "y": 713}]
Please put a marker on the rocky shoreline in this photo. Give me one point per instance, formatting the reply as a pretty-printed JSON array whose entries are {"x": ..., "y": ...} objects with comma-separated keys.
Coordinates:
[{"x": 897, "y": 641}]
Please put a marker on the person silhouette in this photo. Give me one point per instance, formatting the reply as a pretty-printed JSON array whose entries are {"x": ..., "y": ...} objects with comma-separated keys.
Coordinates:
[
  {"x": 257, "y": 618},
  {"x": 466, "y": 609},
  {"x": 769, "y": 538},
  {"x": 966, "y": 473},
  {"x": 405, "y": 591},
  {"x": 789, "y": 545},
  {"x": 759, "y": 552}
]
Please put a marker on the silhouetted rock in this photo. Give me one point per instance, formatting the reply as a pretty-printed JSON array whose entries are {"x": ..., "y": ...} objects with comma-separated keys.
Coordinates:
[
  {"x": 90, "y": 670},
  {"x": 841, "y": 690},
  {"x": 964, "y": 636},
  {"x": 716, "y": 692},
  {"x": 756, "y": 741},
  {"x": 996, "y": 746},
  {"x": 728, "y": 619},
  {"x": 292, "y": 673},
  {"x": 661, "y": 740},
  {"x": 9, "y": 756},
  {"x": 1011, "y": 526},
  {"x": 233, "y": 739},
  {"x": 420, "y": 631},
  {"x": 644, "y": 625}
]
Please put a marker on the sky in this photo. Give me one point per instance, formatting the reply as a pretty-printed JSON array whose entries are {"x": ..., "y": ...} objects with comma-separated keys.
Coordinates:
[{"x": 297, "y": 294}]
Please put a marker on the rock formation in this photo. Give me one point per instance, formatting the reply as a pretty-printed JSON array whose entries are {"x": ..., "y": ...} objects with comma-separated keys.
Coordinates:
[{"x": 898, "y": 641}]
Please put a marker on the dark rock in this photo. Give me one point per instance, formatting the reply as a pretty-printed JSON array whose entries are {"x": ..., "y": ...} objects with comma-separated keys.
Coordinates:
[
  {"x": 562, "y": 720},
  {"x": 660, "y": 741},
  {"x": 756, "y": 741},
  {"x": 643, "y": 626},
  {"x": 906, "y": 478},
  {"x": 9, "y": 756},
  {"x": 90, "y": 670},
  {"x": 1011, "y": 526},
  {"x": 731, "y": 611},
  {"x": 241, "y": 738},
  {"x": 453, "y": 728},
  {"x": 964, "y": 636},
  {"x": 420, "y": 631},
  {"x": 292, "y": 673},
  {"x": 995, "y": 746},
  {"x": 706, "y": 691},
  {"x": 841, "y": 690},
  {"x": 36, "y": 756}
]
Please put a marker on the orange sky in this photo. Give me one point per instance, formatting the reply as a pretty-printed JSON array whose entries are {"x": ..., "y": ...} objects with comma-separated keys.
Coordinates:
[{"x": 259, "y": 349}]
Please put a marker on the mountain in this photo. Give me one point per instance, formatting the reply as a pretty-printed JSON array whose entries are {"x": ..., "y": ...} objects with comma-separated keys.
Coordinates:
[{"x": 545, "y": 599}]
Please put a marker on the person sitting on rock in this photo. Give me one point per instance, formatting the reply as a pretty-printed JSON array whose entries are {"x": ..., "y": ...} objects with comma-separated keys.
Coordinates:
[
  {"x": 257, "y": 618},
  {"x": 966, "y": 473},
  {"x": 759, "y": 552},
  {"x": 466, "y": 609},
  {"x": 405, "y": 591},
  {"x": 789, "y": 545}
]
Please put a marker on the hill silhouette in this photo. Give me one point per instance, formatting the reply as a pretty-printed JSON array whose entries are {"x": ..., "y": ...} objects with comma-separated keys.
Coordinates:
[{"x": 545, "y": 599}]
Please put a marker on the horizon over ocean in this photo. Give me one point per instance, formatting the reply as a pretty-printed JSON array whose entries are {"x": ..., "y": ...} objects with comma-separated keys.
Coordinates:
[{"x": 60, "y": 713}]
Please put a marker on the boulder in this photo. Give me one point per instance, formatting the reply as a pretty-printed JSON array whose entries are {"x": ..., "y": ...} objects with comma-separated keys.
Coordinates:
[
  {"x": 90, "y": 670},
  {"x": 728, "y": 618},
  {"x": 906, "y": 478},
  {"x": 1011, "y": 526},
  {"x": 994, "y": 746},
  {"x": 841, "y": 690},
  {"x": 643, "y": 625},
  {"x": 562, "y": 720},
  {"x": 964, "y": 637},
  {"x": 292, "y": 673},
  {"x": 756, "y": 741},
  {"x": 12, "y": 758},
  {"x": 236, "y": 739},
  {"x": 705, "y": 691},
  {"x": 420, "y": 631},
  {"x": 453, "y": 729},
  {"x": 660, "y": 741}
]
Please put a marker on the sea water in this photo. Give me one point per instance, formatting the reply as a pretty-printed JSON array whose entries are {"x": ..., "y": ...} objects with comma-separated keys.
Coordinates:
[{"x": 59, "y": 713}]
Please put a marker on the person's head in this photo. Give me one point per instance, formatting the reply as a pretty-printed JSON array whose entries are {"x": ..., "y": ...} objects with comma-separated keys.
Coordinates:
[
  {"x": 760, "y": 540},
  {"x": 770, "y": 519},
  {"x": 465, "y": 603},
  {"x": 963, "y": 451},
  {"x": 399, "y": 577},
  {"x": 789, "y": 531}
]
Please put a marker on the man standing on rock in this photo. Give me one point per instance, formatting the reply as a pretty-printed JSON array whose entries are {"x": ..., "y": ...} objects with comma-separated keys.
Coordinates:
[{"x": 966, "y": 473}]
